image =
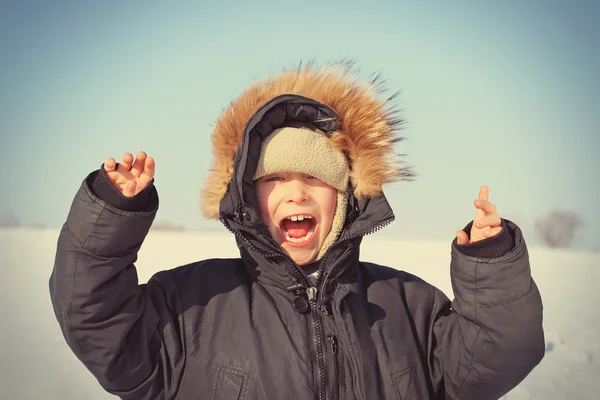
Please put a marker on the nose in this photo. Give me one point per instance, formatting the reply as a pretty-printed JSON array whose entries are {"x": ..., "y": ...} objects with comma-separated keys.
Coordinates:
[{"x": 295, "y": 191}]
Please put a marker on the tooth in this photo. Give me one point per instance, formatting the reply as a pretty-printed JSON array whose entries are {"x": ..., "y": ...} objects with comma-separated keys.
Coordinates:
[
  {"x": 294, "y": 218},
  {"x": 300, "y": 217},
  {"x": 308, "y": 216}
]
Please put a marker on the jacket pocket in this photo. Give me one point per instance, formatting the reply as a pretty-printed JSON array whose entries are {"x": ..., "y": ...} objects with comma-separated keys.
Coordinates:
[
  {"x": 229, "y": 384},
  {"x": 407, "y": 385}
]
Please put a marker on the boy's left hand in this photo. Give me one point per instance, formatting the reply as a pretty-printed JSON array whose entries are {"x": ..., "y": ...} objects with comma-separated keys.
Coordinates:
[{"x": 486, "y": 223}]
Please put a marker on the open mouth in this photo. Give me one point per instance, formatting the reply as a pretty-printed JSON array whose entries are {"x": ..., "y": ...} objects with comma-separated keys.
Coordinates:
[{"x": 298, "y": 230}]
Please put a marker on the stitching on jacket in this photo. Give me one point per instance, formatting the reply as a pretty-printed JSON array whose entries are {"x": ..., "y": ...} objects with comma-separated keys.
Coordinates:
[
  {"x": 350, "y": 346},
  {"x": 476, "y": 336},
  {"x": 396, "y": 376},
  {"x": 68, "y": 322},
  {"x": 464, "y": 380},
  {"x": 147, "y": 297},
  {"x": 515, "y": 253},
  {"x": 475, "y": 300},
  {"x": 470, "y": 362},
  {"x": 75, "y": 270},
  {"x": 226, "y": 368},
  {"x": 526, "y": 294},
  {"x": 411, "y": 371},
  {"x": 120, "y": 213},
  {"x": 213, "y": 387},
  {"x": 183, "y": 341}
]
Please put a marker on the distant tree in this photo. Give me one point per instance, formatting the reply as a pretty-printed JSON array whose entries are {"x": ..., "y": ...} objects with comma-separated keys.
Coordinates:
[
  {"x": 9, "y": 220},
  {"x": 557, "y": 228},
  {"x": 166, "y": 226}
]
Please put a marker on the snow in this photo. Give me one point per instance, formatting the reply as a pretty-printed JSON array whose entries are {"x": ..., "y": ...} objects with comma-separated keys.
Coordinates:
[{"x": 36, "y": 362}]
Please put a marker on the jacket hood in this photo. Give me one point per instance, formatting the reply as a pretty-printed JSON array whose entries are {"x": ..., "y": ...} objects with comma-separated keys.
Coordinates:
[{"x": 332, "y": 99}]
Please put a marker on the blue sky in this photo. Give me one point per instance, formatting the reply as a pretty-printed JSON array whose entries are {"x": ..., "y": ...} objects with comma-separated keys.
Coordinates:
[{"x": 504, "y": 94}]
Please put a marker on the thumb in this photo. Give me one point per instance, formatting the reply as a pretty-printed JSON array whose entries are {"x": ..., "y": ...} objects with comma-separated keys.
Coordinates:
[{"x": 461, "y": 237}]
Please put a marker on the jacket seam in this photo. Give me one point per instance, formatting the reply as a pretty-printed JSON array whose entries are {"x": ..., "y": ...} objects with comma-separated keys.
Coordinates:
[
  {"x": 515, "y": 253},
  {"x": 350, "y": 346},
  {"x": 464, "y": 380},
  {"x": 478, "y": 331},
  {"x": 68, "y": 322},
  {"x": 470, "y": 362},
  {"x": 183, "y": 342},
  {"x": 526, "y": 294},
  {"x": 118, "y": 212},
  {"x": 225, "y": 368},
  {"x": 475, "y": 296}
]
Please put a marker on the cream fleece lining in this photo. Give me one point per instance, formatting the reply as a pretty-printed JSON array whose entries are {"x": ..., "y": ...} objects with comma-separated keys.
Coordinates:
[
  {"x": 336, "y": 225},
  {"x": 305, "y": 151}
]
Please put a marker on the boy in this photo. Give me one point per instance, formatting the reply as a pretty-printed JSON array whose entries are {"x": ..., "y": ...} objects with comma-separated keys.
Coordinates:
[{"x": 300, "y": 160}]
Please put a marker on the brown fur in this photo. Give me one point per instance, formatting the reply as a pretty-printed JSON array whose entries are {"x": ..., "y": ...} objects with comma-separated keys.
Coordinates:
[{"x": 369, "y": 128}]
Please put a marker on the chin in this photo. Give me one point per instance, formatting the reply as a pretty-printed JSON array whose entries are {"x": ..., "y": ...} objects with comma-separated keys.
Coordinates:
[{"x": 300, "y": 258}]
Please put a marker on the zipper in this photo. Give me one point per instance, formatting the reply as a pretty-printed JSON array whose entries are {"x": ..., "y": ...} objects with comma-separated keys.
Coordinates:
[
  {"x": 297, "y": 284},
  {"x": 299, "y": 275},
  {"x": 325, "y": 310},
  {"x": 319, "y": 344},
  {"x": 311, "y": 292},
  {"x": 320, "y": 278},
  {"x": 333, "y": 347},
  {"x": 302, "y": 282}
]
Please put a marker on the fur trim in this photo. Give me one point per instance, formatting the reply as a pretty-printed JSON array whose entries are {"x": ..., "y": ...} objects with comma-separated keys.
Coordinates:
[{"x": 368, "y": 132}]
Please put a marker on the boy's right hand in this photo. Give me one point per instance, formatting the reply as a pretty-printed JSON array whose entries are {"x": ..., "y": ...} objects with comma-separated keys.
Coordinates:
[{"x": 130, "y": 178}]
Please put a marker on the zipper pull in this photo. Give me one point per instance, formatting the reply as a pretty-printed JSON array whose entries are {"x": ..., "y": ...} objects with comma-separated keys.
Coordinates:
[
  {"x": 333, "y": 344},
  {"x": 295, "y": 287},
  {"x": 326, "y": 309},
  {"x": 311, "y": 292}
]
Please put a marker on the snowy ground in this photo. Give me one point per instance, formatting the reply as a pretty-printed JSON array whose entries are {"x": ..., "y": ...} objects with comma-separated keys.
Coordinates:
[{"x": 35, "y": 362}]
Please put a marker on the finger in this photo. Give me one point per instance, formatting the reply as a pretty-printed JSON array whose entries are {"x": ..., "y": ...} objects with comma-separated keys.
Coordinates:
[
  {"x": 492, "y": 220},
  {"x": 150, "y": 167},
  {"x": 492, "y": 232},
  {"x": 461, "y": 237},
  {"x": 110, "y": 164},
  {"x": 484, "y": 192},
  {"x": 129, "y": 189},
  {"x": 138, "y": 165},
  {"x": 126, "y": 161},
  {"x": 485, "y": 206}
]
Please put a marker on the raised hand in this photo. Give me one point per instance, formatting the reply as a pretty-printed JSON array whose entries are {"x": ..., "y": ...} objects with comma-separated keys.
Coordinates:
[
  {"x": 129, "y": 177},
  {"x": 486, "y": 223}
]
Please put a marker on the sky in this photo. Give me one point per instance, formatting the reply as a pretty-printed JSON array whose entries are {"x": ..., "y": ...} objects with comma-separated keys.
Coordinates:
[{"x": 504, "y": 94}]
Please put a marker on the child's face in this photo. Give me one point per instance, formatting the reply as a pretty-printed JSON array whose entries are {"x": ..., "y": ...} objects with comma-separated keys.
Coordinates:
[{"x": 307, "y": 199}]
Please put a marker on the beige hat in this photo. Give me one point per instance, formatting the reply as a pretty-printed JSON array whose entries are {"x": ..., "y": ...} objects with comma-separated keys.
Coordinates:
[{"x": 310, "y": 152}]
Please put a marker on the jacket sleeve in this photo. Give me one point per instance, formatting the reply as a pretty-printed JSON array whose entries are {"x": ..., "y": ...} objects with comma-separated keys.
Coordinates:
[
  {"x": 128, "y": 335},
  {"x": 490, "y": 337}
]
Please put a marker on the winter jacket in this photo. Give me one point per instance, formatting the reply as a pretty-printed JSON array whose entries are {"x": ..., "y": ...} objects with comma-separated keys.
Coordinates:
[{"x": 256, "y": 327}]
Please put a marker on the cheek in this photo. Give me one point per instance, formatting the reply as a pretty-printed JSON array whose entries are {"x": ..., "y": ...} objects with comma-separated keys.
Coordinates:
[
  {"x": 328, "y": 203},
  {"x": 263, "y": 196}
]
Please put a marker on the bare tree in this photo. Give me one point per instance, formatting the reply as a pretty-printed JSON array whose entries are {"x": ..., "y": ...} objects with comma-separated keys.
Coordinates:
[
  {"x": 557, "y": 228},
  {"x": 9, "y": 220},
  {"x": 166, "y": 226}
]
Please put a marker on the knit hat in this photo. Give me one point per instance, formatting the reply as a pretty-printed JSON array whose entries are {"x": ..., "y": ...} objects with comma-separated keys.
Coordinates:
[{"x": 310, "y": 152}]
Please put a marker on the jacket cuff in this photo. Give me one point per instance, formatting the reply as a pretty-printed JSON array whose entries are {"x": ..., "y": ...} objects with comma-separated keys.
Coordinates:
[
  {"x": 493, "y": 247},
  {"x": 103, "y": 189},
  {"x": 480, "y": 282},
  {"x": 92, "y": 217}
]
